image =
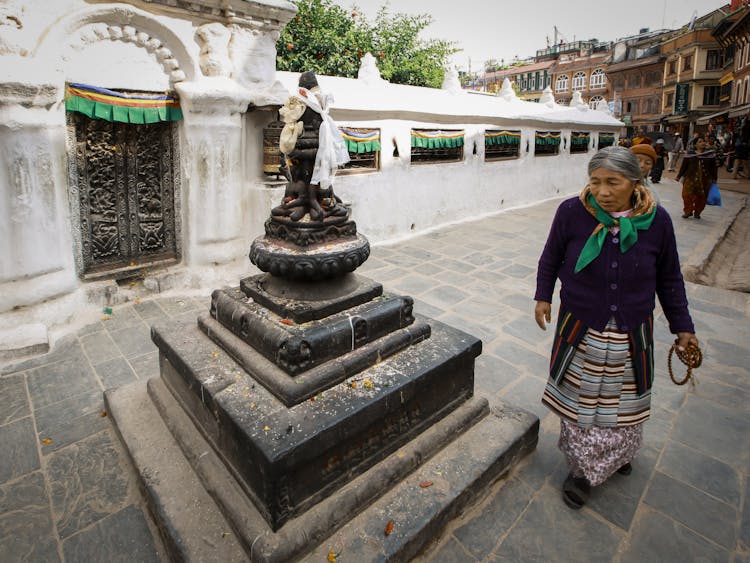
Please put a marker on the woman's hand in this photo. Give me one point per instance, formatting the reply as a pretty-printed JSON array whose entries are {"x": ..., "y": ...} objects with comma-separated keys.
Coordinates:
[
  {"x": 542, "y": 313},
  {"x": 683, "y": 339}
]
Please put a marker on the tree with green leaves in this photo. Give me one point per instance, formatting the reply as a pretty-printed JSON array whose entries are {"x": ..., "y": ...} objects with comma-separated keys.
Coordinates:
[{"x": 328, "y": 39}]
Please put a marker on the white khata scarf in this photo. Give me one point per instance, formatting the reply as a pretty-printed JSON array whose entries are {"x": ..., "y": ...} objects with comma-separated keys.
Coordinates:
[{"x": 332, "y": 151}]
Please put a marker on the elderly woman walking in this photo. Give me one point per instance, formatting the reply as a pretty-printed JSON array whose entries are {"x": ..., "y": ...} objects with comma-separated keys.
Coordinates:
[{"x": 613, "y": 249}]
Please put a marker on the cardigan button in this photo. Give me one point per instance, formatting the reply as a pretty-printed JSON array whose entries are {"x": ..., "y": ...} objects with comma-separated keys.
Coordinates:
[
  {"x": 613, "y": 286},
  {"x": 615, "y": 240},
  {"x": 613, "y": 307},
  {"x": 614, "y": 264}
]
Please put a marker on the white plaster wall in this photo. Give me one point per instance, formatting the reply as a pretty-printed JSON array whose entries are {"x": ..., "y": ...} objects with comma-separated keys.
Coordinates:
[{"x": 403, "y": 199}]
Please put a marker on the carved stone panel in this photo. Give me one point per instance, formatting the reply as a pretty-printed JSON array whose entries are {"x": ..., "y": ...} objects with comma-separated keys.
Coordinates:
[{"x": 126, "y": 193}]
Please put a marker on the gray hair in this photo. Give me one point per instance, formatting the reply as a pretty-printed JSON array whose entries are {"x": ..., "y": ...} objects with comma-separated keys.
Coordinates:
[{"x": 617, "y": 159}]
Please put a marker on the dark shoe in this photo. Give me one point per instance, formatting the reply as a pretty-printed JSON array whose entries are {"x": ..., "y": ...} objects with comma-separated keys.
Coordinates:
[
  {"x": 686, "y": 215},
  {"x": 626, "y": 469},
  {"x": 575, "y": 491},
  {"x": 697, "y": 216}
]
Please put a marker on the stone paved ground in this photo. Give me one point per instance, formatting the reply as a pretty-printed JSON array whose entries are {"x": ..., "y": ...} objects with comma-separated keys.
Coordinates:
[{"x": 68, "y": 494}]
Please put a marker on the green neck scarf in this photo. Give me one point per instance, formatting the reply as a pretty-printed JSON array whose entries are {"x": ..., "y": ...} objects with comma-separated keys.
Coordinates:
[{"x": 629, "y": 227}]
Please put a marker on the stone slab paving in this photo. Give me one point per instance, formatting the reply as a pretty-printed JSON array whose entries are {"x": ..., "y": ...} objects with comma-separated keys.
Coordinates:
[{"x": 67, "y": 491}]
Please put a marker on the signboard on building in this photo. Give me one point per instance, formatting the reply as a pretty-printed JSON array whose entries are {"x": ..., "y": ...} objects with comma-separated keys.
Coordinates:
[{"x": 681, "y": 99}]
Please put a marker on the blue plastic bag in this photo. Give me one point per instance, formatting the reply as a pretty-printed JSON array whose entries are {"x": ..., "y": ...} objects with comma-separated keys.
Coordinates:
[{"x": 714, "y": 196}]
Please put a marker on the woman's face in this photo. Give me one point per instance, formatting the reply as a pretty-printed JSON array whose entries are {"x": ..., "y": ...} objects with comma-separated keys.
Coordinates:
[
  {"x": 700, "y": 144},
  {"x": 645, "y": 163},
  {"x": 612, "y": 190}
]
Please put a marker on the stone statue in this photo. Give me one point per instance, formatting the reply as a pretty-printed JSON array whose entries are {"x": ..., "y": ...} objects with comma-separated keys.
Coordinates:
[{"x": 313, "y": 149}]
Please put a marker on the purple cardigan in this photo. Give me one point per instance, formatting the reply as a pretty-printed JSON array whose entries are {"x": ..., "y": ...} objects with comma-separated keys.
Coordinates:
[{"x": 615, "y": 284}]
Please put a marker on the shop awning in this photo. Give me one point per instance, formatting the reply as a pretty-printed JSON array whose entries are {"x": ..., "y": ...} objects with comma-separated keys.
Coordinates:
[
  {"x": 706, "y": 118},
  {"x": 100, "y": 103},
  {"x": 739, "y": 110},
  {"x": 677, "y": 119}
]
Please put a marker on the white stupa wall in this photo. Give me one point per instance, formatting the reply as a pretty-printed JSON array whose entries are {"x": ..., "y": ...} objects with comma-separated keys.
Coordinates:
[{"x": 228, "y": 87}]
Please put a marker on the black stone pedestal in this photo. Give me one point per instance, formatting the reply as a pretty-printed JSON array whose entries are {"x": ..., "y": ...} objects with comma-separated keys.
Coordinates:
[{"x": 298, "y": 414}]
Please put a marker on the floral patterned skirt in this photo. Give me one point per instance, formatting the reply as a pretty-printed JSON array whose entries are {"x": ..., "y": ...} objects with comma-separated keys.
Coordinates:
[{"x": 596, "y": 452}]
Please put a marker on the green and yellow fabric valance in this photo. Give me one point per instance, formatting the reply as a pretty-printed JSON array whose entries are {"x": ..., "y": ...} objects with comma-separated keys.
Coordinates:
[
  {"x": 100, "y": 103},
  {"x": 502, "y": 137},
  {"x": 580, "y": 138},
  {"x": 547, "y": 137},
  {"x": 609, "y": 137},
  {"x": 361, "y": 141},
  {"x": 436, "y": 139}
]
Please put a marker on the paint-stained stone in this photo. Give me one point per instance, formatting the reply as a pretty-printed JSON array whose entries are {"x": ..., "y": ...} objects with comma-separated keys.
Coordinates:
[
  {"x": 701, "y": 471},
  {"x": 70, "y": 420},
  {"x": 715, "y": 519},
  {"x": 480, "y": 534},
  {"x": 656, "y": 537},
  {"x": 548, "y": 532},
  {"x": 13, "y": 399},
  {"x": 25, "y": 522},
  {"x": 87, "y": 482},
  {"x": 123, "y": 537},
  {"x": 18, "y": 453}
]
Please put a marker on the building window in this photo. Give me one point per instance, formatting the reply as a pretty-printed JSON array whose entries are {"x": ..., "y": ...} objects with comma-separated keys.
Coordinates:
[
  {"x": 598, "y": 79},
  {"x": 364, "y": 149},
  {"x": 579, "y": 81},
  {"x": 561, "y": 84},
  {"x": 606, "y": 140},
  {"x": 579, "y": 141},
  {"x": 546, "y": 143},
  {"x": 737, "y": 94},
  {"x": 537, "y": 83},
  {"x": 670, "y": 100},
  {"x": 687, "y": 63},
  {"x": 672, "y": 67},
  {"x": 594, "y": 101},
  {"x": 714, "y": 60},
  {"x": 501, "y": 144},
  {"x": 711, "y": 95},
  {"x": 437, "y": 145}
]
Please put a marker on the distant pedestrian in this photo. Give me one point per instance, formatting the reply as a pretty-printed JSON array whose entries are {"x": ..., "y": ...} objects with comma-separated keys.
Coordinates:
[
  {"x": 613, "y": 250},
  {"x": 699, "y": 172},
  {"x": 658, "y": 167},
  {"x": 741, "y": 154},
  {"x": 677, "y": 150}
]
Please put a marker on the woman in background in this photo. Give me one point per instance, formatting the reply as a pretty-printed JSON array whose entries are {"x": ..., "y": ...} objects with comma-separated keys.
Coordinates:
[{"x": 699, "y": 171}]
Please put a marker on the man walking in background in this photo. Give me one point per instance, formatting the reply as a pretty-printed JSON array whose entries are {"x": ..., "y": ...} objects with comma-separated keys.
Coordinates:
[{"x": 677, "y": 150}]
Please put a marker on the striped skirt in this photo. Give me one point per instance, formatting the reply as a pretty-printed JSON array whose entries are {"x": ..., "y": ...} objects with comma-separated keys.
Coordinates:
[
  {"x": 598, "y": 388},
  {"x": 600, "y": 409}
]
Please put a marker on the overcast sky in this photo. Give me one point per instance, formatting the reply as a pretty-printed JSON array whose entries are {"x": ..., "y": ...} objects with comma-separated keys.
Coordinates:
[{"x": 502, "y": 29}]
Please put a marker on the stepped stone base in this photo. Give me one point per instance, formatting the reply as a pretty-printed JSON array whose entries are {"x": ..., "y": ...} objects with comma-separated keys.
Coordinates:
[
  {"x": 204, "y": 516},
  {"x": 286, "y": 434}
]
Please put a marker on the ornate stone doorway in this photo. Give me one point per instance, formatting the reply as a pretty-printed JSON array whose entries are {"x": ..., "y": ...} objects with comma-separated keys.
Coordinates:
[{"x": 124, "y": 190}]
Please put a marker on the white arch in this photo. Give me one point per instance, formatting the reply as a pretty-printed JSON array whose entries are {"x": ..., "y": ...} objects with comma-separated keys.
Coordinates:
[{"x": 119, "y": 23}]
